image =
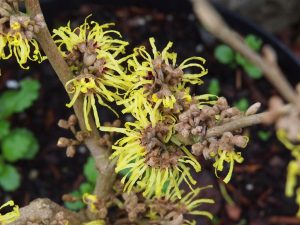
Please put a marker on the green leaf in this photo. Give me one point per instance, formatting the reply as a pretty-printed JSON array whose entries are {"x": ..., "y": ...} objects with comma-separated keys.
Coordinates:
[
  {"x": 2, "y": 165},
  {"x": 253, "y": 71},
  {"x": 253, "y": 42},
  {"x": 86, "y": 188},
  {"x": 19, "y": 144},
  {"x": 14, "y": 101},
  {"x": 77, "y": 205},
  {"x": 240, "y": 59},
  {"x": 242, "y": 104},
  {"x": 4, "y": 128},
  {"x": 10, "y": 178},
  {"x": 224, "y": 54},
  {"x": 214, "y": 87},
  {"x": 264, "y": 135},
  {"x": 90, "y": 171}
]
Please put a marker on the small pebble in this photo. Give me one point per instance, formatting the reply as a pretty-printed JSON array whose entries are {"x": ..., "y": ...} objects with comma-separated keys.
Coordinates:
[
  {"x": 12, "y": 84},
  {"x": 249, "y": 187},
  {"x": 33, "y": 174},
  {"x": 199, "y": 48},
  {"x": 82, "y": 149}
]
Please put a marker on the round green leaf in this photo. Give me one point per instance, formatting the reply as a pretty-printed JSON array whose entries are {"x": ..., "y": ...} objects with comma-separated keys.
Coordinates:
[
  {"x": 86, "y": 188},
  {"x": 90, "y": 170},
  {"x": 264, "y": 135},
  {"x": 242, "y": 104},
  {"x": 253, "y": 42},
  {"x": 10, "y": 178},
  {"x": 19, "y": 144},
  {"x": 224, "y": 54},
  {"x": 77, "y": 205},
  {"x": 214, "y": 87},
  {"x": 4, "y": 128},
  {"x": 240, "y": 59},
  {"x": 253, "y": 71}
]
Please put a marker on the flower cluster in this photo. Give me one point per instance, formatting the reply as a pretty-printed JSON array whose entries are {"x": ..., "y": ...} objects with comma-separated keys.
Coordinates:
[
  {"x": 150, "y": 157},
  {"x": 293, "y": 169},
  {"x": 92, "y": 53},
  {"x": 17, "y": 32},
  {"x": 152, "y": 154},
  {"x": 288, "y": 133},
  {"x": 172, "y": 209}
]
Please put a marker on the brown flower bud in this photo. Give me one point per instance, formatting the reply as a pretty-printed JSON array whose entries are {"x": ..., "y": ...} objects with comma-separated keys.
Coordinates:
[
  {"x": 70, "y": 151},
  {"x": 197, "y": 149},
  {"x": 253, "y": 109},
  {"x": 239, "y": 141},
  {"x": 72, "y": 120},
  {"x": 89, "y": 59},
  {"x": 63, "y": 142},
  {"x": 63, "y": 124}
]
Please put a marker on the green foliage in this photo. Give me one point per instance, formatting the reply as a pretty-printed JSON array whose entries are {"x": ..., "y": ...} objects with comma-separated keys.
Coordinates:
[
  {"x": 264, "y": 135},
  {"x": 90, "y": 172},
  {"x": 4, "y": 128},
  {"x": 224, "y": 54},
  {"x": 242, "y": 104},
  {"x": 214, "y": 87},
  {"x": 15, "y": 101},
  {"x": 76, "y": 205},
  {"x": 10, "y": 178},
  {"x": 18, "y": 143},
  {"x": 253, "y": 42}
]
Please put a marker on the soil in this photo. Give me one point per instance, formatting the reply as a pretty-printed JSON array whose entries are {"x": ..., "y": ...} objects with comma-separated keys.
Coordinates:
[{"x": 257, "y": 185}]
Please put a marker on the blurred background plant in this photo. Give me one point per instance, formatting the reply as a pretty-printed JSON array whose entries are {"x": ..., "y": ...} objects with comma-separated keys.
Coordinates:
[
  {"x": 16, "y": 143},
  {"x": 226, "y": 55}
]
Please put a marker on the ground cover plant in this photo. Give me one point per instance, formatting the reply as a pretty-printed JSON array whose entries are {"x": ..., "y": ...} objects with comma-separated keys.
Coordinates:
[{"x": 146, "y": 156}]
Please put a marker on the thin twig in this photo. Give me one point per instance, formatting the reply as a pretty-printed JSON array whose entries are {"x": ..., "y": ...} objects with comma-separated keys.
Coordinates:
[
  {"x": 63, "y": 72},
  {"x": 213, "y": 22}
]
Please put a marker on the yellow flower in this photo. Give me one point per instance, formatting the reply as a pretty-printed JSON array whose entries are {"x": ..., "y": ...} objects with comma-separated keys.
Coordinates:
[
  {"x": 91, "y": 201},
  {"x": 298, "y": 201},
  {"x": 282, "y": 137},
  {"x": 164, "y": 207},
  {"x": 11, "y": 216},
  {"x": 191, "y": 202},
  {"x": 94, "y": 34},
  {"x": 158, "y": 75},
  {"x": 151, "y": 160},
  {"x": 92, "y": 88},
  {"x": 227, "y": 156},
  {"x": 20, "y": 46},
  {"x": 293, "y": 171},
  {"x": 91, "y": 53},
  {"x": 95, "y": 222}
]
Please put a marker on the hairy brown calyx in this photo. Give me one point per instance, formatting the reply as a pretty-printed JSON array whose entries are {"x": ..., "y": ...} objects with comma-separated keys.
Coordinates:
[
  {"x": 168, "y": 210},
  {"x": 133, "y": 205},
  {"x": 164, "y": 76},
  {"x": 158, "y": 153},
  {"x": 84, "y": 57}
]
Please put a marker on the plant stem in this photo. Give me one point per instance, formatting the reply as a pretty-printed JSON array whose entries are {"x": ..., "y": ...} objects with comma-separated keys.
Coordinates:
[
  {"x": 101, "y": 155},
  {"x": 242, "y": 122}
]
